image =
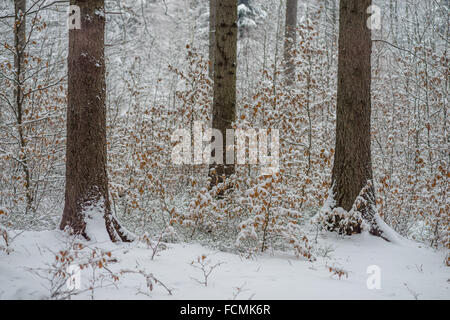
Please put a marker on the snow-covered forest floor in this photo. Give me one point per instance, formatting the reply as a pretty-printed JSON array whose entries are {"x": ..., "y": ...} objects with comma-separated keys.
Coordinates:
[
  {"x": 159, "y": 92},
  {"x": 408, "y": 270}
]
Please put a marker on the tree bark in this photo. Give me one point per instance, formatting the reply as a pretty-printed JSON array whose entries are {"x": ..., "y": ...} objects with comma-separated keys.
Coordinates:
[
  {"x": 290, "y": 34},
  {"x": 212, "y": 33},
  {"x": 224, "y": 104},
  {"x": 86, "y": 177},
  {"x": 352, "y": 169},
  {"x": 19, "y": 69}
]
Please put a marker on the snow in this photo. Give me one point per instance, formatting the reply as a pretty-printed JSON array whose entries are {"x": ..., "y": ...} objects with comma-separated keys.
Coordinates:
[
  {"x": 388, "y": 233},
  {"x": 95, "y": 228},
  {"x": 100, "y": 13},
  {"x": 243, "y": 9},
  {"x": 95, "y": 223},
  {"x": 408, "y": 271}
]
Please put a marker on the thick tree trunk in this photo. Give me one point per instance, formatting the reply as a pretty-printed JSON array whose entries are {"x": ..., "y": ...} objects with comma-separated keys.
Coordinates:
[
  {"x": 224, "y": 105},
  {"x": 290, "y": 34},
  {"x": 212, "y": 33},
  {"x": 86, "y": 177},
  {"x": 352, "y": 170}
]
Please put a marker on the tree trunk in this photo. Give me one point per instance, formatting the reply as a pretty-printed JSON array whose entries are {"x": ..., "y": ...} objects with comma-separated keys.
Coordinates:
[
  {"x": 290, "y": 34},
  {"x": 86, "y": 177},
  {"x": 212, "y": 38},
  {"x": 352, "y": 169},
  {"x": 224, "y": 105},
  {"x": 19, "y": 68}
]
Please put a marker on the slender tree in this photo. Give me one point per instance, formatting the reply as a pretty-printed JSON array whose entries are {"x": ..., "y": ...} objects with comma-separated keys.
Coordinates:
[
  {"x": 19, "y": 46},
  {"x": 224, "y": 104},
  {"x": 212, "y": 38},
  {"x": 20, "y": 43},
  {"x": 86, "y": 177},
  {"x": 290, "y": 34},
  {"x": 352, "y": 169}
]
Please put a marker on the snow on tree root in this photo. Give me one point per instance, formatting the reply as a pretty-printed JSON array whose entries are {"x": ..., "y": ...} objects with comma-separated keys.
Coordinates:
[
  {"x": 362, "y": 217},
  {"x": 96, "y": 220}
]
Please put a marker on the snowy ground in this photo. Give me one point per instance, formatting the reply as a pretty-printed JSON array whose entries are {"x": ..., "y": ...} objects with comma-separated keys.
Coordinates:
[{"x": 408, "y": 271}]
